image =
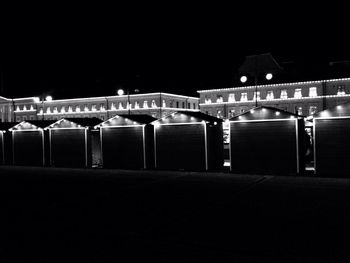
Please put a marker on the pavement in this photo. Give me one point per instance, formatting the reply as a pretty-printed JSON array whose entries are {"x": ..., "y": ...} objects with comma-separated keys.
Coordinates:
[{"x": 98, "y": 215}]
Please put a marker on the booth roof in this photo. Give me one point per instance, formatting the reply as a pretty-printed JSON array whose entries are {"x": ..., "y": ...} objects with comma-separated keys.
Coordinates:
[
  {"x": 4, "y": 126},
  {"x": 265, "y": 113},
  {"x": 140, "y": 118},
  {"x": 340, "y": 110},
  {"x": 86, "y": 122},
  {"x": 200, "y": 115}
]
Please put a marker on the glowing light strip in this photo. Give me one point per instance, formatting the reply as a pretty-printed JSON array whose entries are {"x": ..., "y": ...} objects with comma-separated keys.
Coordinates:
[
  {"x": 179, "y": 123},
  {"x": 101, "y": 146},
  {"x": 335, "y": 117},
  {"x": 155, "y": 147},
  {"x": 275, "y": 100},
  {"x": 297, "y": 144},
  {"x": 144, "y": 146},
  {"x": 86, "y": 149},
  {"x": 3, "y": 147},
  {"x": 264, "y": 120},
  {"x": 121, "y": 126},
  {"x": 103, "y": 98},
  {"x": 17, "y": 111},
  {"x": 205, "y": 146},
  {"x": 275, "y": 85},
  {"x": 28, "y": 98},
  {"x": 78, "y": 128},
  {"x": 50, "y": 137},
  {"x": 43, "y": 145}
]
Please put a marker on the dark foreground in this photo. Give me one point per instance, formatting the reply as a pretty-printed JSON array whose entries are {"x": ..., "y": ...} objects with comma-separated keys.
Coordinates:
[{"x": 55, "y": 215}]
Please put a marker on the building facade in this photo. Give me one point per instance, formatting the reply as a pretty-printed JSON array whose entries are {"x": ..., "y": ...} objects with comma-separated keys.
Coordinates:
[
  {"x": 155, "y": 104},
  {"x": 304, "y": 98}
]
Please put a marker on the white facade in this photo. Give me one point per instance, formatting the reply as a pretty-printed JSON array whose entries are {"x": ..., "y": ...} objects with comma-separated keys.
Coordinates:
[{"x": 155, "y": 104}]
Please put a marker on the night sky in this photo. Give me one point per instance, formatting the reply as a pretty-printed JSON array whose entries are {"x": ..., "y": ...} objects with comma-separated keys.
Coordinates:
[{"x": 93, "y": 51}]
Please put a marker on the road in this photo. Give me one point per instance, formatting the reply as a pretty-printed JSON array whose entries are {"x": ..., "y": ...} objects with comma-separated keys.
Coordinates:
[{"x": 52, "y": 214}]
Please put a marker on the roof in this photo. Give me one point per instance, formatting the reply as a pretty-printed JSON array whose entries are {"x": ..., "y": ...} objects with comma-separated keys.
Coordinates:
[
  {"x": 4, "y": 126},
  {"x": 124, "y": 119},
  {"x": 265, "y": 113},
  {"x": 32, "y": 125},
  {"x": 341, "y": 110},
  {"x": 189, "y": 117},
  {"x": 86, "y": 122}
]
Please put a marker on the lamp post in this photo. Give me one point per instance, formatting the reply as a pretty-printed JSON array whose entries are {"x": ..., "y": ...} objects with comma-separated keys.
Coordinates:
[
  {"x": 255, "y": 65},
  {"x": 42, "y": 101},
  {"x": 121, "y": 92}
]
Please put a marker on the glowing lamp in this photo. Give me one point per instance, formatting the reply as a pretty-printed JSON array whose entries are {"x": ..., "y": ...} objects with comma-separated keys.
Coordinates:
[
  {"x": 48, "y": 98},
  {"x": 277, "y": 113},
  {"x": 244, "y": 79},
  {"x": 268, "y": 76},
  {"x": 120, "y": 92},
  {"x": 36, "y": 99}
]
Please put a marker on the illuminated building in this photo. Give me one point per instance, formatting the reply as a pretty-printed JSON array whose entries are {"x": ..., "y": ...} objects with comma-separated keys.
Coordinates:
[
  {"x": 155, "y": 104},
  {"x": 303, "y": 98}
]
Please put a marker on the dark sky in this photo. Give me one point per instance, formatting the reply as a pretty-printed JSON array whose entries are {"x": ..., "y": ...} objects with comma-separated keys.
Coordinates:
[{"x": 92, "y": 51}]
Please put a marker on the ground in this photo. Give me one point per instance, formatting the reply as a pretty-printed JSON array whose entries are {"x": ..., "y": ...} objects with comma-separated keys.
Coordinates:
[{"x": 95, "y": 215}]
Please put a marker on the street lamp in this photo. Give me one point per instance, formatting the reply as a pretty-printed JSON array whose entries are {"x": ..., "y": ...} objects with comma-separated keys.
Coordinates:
[
  {"x": 255, "y": 65},
  {"x": 121, "y": 92},
  {"x": 42, "y": 100}
]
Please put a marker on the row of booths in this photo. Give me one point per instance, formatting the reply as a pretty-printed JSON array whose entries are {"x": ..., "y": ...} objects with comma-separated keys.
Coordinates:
[{"x": 263, "y": 140}]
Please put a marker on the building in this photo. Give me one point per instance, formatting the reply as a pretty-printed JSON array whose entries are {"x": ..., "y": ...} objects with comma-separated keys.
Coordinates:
[
  {"x": 303, "y": 98},
  {"x": 157, "y": 105}
]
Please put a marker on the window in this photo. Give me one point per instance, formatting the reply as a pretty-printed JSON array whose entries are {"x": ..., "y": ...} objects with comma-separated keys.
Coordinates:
[
  {"x": 77, "y": 108},
  {"x": 154, "y": 105},
  {"x": 171, "y": 104},
  {"x": 102, "y": 107},
  {"x": 183, "y": 104},
  {"x": 164, "y": 104},
  {"x": 284, "y": 94},
  {"x": 48, "y": 110},
  {"x": 207, "y": 100},
  {"x": 244, "y": 96},
  {"x": 18, "y": 119},
  {"x": 313, "y": 92},
  {"x": 341, "y": 90},
  {"x": 24, "y": 107},
  {"x": 312, "y": 110},
  {"x": 137, "y": 106},
  {"x": 63, "y": 110},
  {"x": 31, "y": 107},
  {"x": 93, "y": 107},
  {"x": 86, "y": 108},
  {"x": 177, "y": 104},
  {"x": 102, "y": 117},
  {"x": 219, "y": 114},
  {"x": 231, "y": 97},
  {"x": 256, "y": 94},
  {"x": 232, "y": 113},
  {"x": 113, "y": 106},
  {"x": 269, "y": 95},
  {"x": 69, "y": 108},
  {"x": 194, "y": 105},
  {"x": 188, "y": 105},
  {"x": 120, "y": 106},
  {"x": 55, "y": 110},
  {"x": 219, "y": 99},
  {"x": 145, "y": 104},
  {"x": 24, "y": 118},
  {"x": 17, "y": 108},
  {"x": 41, "y": 111},
  {"x": 297, "y": 94}
]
